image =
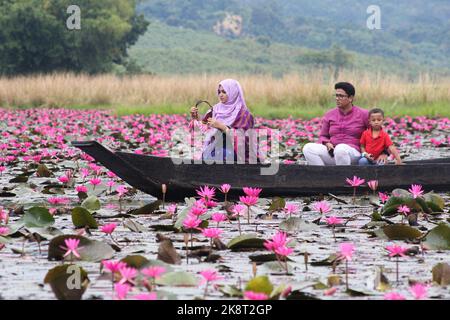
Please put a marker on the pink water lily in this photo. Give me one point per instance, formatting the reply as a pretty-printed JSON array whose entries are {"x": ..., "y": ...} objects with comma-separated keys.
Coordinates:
[
  {"x": 252, "y": 192},
  {"x": 113, "y": 266},
  {"x": 108, "y": 228},
  {"x": 225, "y": 188},
  {"x": 403, "y": 209},
  {"x": 146, "y": 296},
  {"x": 121, "y": 290},
  {"x": 383, "y": 197},
  {"x": 355, "y": 182},
  {"x": 416, "y": 190},
  {"x": 191, "y": 222},
  {"x": 207, "y": 192},
  {"x": 291, "y": 208},
  {"x": 250, "y": 295},
  {"x": 373, "y": 185},
  {"x": 419, "y": 291},
  {"x": 347, "y": 250},
  {"x": 4, "y": 231},
  {"x": 71, "y": 247},
  {"x": 394, "y": 296},
  {"x": 121, "y": 190},
  {"x": 128, "y": 274},
  {"x": 81, "y": 189},
  {"x": 322, "y": 207},
  {"x": 396, "y": 250},
  {"x": 153, "y": 272},
  {"x": 209, "y": 276}
]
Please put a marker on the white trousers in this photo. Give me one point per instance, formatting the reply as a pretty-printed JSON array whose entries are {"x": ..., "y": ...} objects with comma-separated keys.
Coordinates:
[{"x": 317, "y": 155}]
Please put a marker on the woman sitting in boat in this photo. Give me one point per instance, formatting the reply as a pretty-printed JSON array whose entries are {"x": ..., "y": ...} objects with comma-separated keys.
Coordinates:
[
  {"x": 228, "y": 118},
  {"x": 341, "y": 132}
]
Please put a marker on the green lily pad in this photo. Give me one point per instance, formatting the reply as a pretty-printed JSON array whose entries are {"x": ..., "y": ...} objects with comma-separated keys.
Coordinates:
[
  {"x": 277, "y": 204},
  {"x": 47, "y": 233},
  {"x": 435, "y": 202},
  {"x": 38, "y": 217},
  {"x": 134, "y": 226},
  {"x": 300, "y": 295},
  {"x": 441, "y": 274},
  {"x": 246, "y": 241},
  {"x": 147, "y": 209},
  {"x": 91, "y": 203},
  {"x": 68, "y": 282},
  {"x": 230, "y": 291},
  {"x": 89, "y": 250},
  {"x": 275, "y": 267},
  {"x": 295, "y": 224},
  {"x": 329, "y": 261},
  {"x": 43, "y": 171},
  {"x": 438, "y": 238},
  {"x": 177, "y": 279},
  {"x": 260, "y": 284},
  {"x": 398, "y": 232},
  {"x": 81, "y": 218},
  {"x": 139, "y": 262}
]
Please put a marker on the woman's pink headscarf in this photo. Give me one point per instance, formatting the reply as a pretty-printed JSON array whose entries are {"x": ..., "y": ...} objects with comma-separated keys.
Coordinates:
[{"x": 228, "y": 112}]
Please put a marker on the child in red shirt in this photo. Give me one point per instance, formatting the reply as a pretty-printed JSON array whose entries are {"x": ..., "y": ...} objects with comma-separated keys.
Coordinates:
[{"x": 374, "y": 141}]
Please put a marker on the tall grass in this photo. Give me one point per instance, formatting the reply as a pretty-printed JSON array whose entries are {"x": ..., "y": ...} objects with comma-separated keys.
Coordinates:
[{"x": 305, "y": 95}]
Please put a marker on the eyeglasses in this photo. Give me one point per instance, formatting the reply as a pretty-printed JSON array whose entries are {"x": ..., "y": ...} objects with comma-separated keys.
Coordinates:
[{"x": 340, "y": 96}]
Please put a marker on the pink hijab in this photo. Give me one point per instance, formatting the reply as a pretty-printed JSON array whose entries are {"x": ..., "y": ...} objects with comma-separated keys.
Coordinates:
[{"x": 226, "y": 112}]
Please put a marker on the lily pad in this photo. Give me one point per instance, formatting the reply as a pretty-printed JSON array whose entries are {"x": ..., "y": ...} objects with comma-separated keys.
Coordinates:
[
  {"x": 89, "y": 250},
  {"x": 441, "y": 274},
  {"x": 91, "y": 203},
  {"x": 178, "y": 279},
  {"x": 68, "y": 282},
  {"x": 38, "y": 217},
  {"x": 260, "y": 284},
  {"x": 398, "y": 232},
  {"x": 300, "y": 295},
  {"x": 295, "y": 224},
  {"x": 230, "y": 291},
  {"x": 147, "y": 209},
  {"x": 246, "y": 241},
  {"x": 136, "y": 261},
  {"x": 435, "y": 202},
  {"x": 438, "y": 238},
  {"x": 275, "y": 267},
  {"x": 277, "y": 204},
  {"x": 134, "y": 226},
  {"x": 81, "y": 218},
  {"x": 43, "y": 171}
]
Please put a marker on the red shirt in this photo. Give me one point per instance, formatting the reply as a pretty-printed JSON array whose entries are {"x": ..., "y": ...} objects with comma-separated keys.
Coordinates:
[{"x": 375, "y": 146}]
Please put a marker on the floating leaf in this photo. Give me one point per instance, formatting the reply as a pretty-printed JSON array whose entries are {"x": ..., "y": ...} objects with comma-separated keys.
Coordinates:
[
  {"x": 82, "y": 218},
  {"x": 300, "y": 295},
  {"x": 91, "y": 203},
  {"x": 147, "y": 209},
  {"x": 357, "y": 293},
  {"x": 260, "y": 284},
  {"x": 435, "y": 202},
  {"x": 277, "y": 204},
  {"x": 167, "y": 252},
  {"x": 164, "y": 227},
  {"x": 38, "y": 217},
  {"x": 246, "y": 241},
  {"x": 230, "y": 291},
  {"x": 275, "y": 267},
  {"x": 47, "y": 233},
  {"x": 43, "y": 171},
  {"x": 68, "y": 282},
  {"x": 177, "y": 279},
  {"x": 441, "y": 274},
  {"x": 295, "y": 224},
  {"x": 329, "y": 261},
  {"x": 19, "y": 179},
  {"x": 438, "y": 238},
  {"x": 134, "y": 226},
  {"x": 398, "y": 232},
  {"x": 89, "y": 250},
  {"x": 261, "y": 258},
  {"x": 136, "y": 261}
]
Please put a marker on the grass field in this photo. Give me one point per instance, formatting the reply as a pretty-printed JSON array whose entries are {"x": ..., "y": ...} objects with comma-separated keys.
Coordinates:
[{"x": 305, "y": 95}]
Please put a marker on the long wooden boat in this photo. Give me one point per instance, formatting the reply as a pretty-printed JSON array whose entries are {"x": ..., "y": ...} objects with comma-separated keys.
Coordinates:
[{"x": 148, "y": 173}]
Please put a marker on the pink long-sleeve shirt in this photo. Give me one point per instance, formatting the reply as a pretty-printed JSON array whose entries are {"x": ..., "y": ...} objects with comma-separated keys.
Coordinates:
[{"x": 338, "y": 127}]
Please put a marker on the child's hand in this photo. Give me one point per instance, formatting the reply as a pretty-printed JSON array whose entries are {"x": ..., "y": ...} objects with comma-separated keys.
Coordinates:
[
  {"x": 399, "y": 162},
  {"x": 370, "y": 157}
]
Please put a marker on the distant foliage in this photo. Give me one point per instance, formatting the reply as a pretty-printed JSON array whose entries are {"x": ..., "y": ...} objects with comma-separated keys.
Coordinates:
[{"x": 34, "y": 37}]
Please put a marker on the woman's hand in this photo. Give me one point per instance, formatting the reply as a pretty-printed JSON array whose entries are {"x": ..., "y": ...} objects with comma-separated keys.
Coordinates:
[
  {"x": 212, "y": 122},
  {"x": 194, "y": 113},
  {"x": 329, "y": 146}
]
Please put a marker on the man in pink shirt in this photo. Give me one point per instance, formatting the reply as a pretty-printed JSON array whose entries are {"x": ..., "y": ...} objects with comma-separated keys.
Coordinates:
[{"x": 341, "y": 131}]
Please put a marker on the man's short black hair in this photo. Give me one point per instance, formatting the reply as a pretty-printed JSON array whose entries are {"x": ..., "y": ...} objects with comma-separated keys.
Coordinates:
[
  {"x": 347, "y": 87},
  {"x": 376, "y": 110}
]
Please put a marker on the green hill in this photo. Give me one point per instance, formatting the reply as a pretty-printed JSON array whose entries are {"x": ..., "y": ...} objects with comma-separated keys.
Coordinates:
[{"x": 192, "y": 36}]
